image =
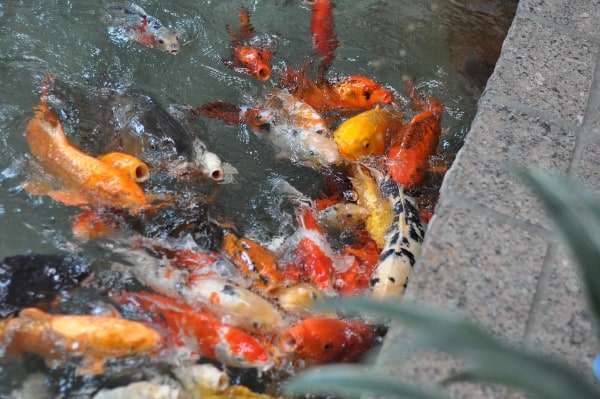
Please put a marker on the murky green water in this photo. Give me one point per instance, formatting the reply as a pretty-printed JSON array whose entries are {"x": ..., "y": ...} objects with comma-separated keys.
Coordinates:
[{"x": 388, "y": 40}]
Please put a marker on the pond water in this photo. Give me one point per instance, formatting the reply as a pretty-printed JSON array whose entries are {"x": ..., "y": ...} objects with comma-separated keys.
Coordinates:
[{"x": 387, "y": 40}]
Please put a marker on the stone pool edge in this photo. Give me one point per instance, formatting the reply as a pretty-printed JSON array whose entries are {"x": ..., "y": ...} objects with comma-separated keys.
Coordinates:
[{"x": 490, "y": 251}]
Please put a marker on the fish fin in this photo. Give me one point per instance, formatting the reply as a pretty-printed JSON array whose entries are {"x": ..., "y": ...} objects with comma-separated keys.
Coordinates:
[
  {"x": 90, "y": 366},
  {"x": 33, "y": 314},
  {"x": 67, "y": 198},
  {"x": 246, "y": 29}
]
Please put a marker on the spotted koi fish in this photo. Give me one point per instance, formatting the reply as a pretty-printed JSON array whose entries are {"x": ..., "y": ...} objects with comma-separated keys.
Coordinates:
[{"x": 402, "y": 247}]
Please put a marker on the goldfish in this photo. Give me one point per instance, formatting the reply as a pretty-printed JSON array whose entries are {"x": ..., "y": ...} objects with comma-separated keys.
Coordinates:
[
  {"x": 322, "y": 29},
  {"x": 415, "y": 143},
  {"x": 297, "y": 131},
  {"x": 60, "y": 338},
  {"x": 144, "y": 28},
  {"x": 258, "y": 263},
  {"x": 83, "y": 179},
  {"x": 246, "y": 58},
  {"x": 38, "y": 279},
  {"x": 402, "y": 246},
  {"x": 187, "y": 325},
  {"x": 326, "y": 339},
  {"x": 109, "y": 117},
  {"x": 365, "y": 133},
  {"x": 342, "y": 94}
]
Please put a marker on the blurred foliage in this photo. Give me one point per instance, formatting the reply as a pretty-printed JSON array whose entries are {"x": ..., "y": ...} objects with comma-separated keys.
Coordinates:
[{"x": 576, "y": 214}]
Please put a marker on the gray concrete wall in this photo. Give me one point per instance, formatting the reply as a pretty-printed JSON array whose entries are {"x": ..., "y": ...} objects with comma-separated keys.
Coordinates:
[{"x": 490, "y": 251}]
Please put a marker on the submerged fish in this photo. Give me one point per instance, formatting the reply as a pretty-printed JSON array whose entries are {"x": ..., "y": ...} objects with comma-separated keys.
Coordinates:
[
  {"x": 61, "y": 338},
  {"x": 115, "y": 118},
  {"x": 322, "y": 29},
  {"x": 199, "y": 329},
  {"x": 144, "y": 28},
  {"x": 34, "y": 279},
  {"x": 247, "y": 58},
  {"x": 76, "y": 178}
]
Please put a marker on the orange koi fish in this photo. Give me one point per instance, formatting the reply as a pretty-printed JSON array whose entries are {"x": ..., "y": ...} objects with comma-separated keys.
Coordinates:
[
  {"x": 356, "y": 92},
  {"x": 257, "y": 118},
  {"x": 325, "y": 339},
  {"x": 211, "y": 338},
  {"x": 83, "y": 179},
  {"x": 144, "y": 28},
  {"x": 245, "y": 58},
  {"x": 414, "y": 144},
  {"x": 355, "y": 279},
  {"x": 253, "y": 260},
  {"x": 365, "y": 133},
  {"x": 60, "y": 338},
  {"x": 322, "y": 29}
]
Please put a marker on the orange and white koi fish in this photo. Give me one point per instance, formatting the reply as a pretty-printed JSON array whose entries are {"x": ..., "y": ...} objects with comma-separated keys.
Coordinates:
[
  {"x": 83, "y": 180},
  {"x": 254, "y": 260},
  {"x": 325, "y": 339},
  {"x": 246, "y": 58},
  {"x": 200, "y": 329},
  {"x": 415, "y": 143},
  {"x": 61, "y": 338},
  {"x": 365, "y": 133},
  {"x": 144, "y": 28},
  {"x": 402, "y": 247},
  {"x": 322, "y": 29},
  {"x": 291, "y": 126},
  {"x": 350, "y": 93}
]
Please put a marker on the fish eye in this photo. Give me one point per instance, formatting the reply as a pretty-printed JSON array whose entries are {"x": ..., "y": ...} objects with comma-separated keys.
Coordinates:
[
  {"x": 367, "y": 94},
  {"x": 161, "y": 41},
  {"x": 311, "y": 153}
]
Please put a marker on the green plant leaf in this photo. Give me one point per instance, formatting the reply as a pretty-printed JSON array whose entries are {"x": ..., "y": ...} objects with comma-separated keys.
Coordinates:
[
  {"x": 353, "y": 381},
  {"x": 579, "y": 227},
  {"x": 488, "y": 358}
]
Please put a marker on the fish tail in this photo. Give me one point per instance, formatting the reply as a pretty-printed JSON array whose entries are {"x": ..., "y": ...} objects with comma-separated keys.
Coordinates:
[{"x": 246, "y": 29}]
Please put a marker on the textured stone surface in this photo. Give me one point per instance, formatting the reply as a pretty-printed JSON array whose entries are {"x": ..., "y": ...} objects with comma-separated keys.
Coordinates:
[
  {"x": 561, "y": 324},
  {"x": 544, "y": 68},
  {"x": 582, "y": 15},
  {"x": 501, "y": 136},
  {"x": 482, "y": 266}
]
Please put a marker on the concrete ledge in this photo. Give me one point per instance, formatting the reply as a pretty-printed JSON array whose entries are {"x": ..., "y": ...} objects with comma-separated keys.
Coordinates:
[{"x": 490, "y": 251}]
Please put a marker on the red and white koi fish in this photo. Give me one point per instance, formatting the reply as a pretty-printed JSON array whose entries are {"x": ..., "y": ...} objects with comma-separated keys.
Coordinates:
[
  {"x": 245, "y": 57},
  {"x": 61, "y": 338},
  {"x": 199, "y": 329},
  {"x": 144, "y": 28},
  {"x": 325, "y": 339}
]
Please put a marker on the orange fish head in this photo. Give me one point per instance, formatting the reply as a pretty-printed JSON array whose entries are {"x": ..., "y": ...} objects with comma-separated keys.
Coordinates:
[
  {"x": 362, "y": 92},
  {"x": 406, "y": 167},
  {"x": 257, "y": 118},
  {"x": 253, "y": 61}
]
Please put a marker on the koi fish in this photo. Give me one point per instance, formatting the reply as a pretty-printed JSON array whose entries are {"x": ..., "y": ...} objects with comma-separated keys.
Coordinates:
[
  {"x": 322, "y": 29},
  {"x": 246, "y": 58},
  {"x": 59, "y": 338},
  {"x": 325, "y": 339},
  {"x": 253, "y": 260},
  {"x": 350, "y": 93},
  {"x": 114, "y": 118},
  {"x": 83, "y": 179},
  {"x": 239, "y": 392},
  {"x": 297, "y": 299},
  {"x": 139, "y": 389},
  {"x": 308, "y": 255},
  {"x": 294, "y": 128},
  {"x": 380, "y": 210},
  {"x": 402, "y": 247},
  {"x": 415, "y": 143},
  {"x": 202, "y": 379},
  {"x": 34, "y": 279},
  {"x": 144, "y": 28},
  {"x": 211, "y": 338},
  {"x": 356, "y": 279},
  {"x": 365, "y": 133}
]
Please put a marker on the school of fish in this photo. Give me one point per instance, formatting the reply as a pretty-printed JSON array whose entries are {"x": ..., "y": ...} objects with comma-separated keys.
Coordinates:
[{"x": 239, "y": 302}]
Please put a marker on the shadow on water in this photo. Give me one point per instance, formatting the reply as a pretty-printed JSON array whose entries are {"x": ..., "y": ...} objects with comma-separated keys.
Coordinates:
[{"x": 448, "y": 48}]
